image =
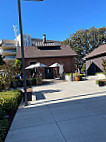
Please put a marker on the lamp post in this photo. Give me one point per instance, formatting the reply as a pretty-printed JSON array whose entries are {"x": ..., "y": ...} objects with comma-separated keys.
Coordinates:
[{"x": 22, "y": 48}]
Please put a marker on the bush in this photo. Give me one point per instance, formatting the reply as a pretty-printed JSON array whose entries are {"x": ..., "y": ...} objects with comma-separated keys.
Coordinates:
[
  {"x": 7, "y": 74},
  {"x": 33, "y": 81},
  {"x": 97, "y": 81},
  {"x": 9, "y": 102},
  {"x": 104, "y": 66},
  {"x": 83, "y": 69},
  {"x": 76, "y": 75},
  {"x": 79, "y": 75},
  {"x": 4, "y": 124}
]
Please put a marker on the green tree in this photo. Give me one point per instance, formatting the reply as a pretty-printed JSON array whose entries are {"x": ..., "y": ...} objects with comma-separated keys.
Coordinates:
[
  {"x": 18, "y": 63},
  {"x": 104, "y": 66},
  {"x": 7, "y": 74},
  {"x": 1, "y": 60},
  {"x": 85, "y": 41}
]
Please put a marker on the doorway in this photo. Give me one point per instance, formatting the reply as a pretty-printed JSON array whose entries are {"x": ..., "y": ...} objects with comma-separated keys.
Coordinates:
[{"x": 49, "y": 73}]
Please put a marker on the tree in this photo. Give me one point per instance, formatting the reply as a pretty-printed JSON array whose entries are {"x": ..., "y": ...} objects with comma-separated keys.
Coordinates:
[
  {"x": 18, "y": 63},
  {"x": 1, "y": 60},
  {"x": 104, "y": 65},
  {"x": 7, "y": 74},
  {"x": 85, "y": 41}
]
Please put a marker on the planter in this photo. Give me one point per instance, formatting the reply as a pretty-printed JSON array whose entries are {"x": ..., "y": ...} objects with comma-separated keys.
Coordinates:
[
  {"x": 100, "y": 76},
  {"x": 39, "y": 82},
  {"x": 68, "y": 77},
  {"x": 102, "y": 82},
  {"x": 77, "y": 79}
]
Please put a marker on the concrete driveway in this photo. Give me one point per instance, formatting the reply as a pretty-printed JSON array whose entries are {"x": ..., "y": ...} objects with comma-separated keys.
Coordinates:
[{"x": 62, "y": 112}]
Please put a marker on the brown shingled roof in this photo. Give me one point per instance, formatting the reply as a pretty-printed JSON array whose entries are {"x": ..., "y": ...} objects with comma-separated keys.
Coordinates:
[
  {"x": 98, "y": 51},
  {"x": 34, "y": 52}
]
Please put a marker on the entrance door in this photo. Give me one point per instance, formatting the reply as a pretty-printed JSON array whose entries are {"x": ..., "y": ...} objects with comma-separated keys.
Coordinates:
[
  {"x": 49, "y": 73},
  {"x": 93, "y": 69}
]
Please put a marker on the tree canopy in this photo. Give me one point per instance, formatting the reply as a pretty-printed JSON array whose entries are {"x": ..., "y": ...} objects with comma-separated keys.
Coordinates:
[
  {"x": 104, "y": 66},
  {"x": 84, "y": 41},
  {"x": 18, "y": 63}
]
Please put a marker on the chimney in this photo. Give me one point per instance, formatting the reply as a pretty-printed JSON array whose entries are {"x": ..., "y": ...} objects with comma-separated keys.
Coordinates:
[{"x": 44, "y": 38}]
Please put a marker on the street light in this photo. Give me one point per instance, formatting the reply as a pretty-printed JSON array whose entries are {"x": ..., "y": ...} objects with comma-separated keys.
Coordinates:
[{"x": 22, "y": 47}]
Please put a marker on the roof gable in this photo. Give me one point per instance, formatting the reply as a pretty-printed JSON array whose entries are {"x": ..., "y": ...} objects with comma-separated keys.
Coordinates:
[{"x": 98, "y": 51}]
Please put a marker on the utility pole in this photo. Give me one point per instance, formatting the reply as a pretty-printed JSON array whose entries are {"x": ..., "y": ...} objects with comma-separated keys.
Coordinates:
[
  {"x": 22, "y": 48},
  {"x": 22, "y": 52}
]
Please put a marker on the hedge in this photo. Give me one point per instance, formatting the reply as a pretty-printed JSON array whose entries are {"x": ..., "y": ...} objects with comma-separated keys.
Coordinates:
[{"x": 9, "y": 102}]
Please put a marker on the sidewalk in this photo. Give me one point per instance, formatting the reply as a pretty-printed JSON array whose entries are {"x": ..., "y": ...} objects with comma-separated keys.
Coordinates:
[{"x": 62, "y": 112}]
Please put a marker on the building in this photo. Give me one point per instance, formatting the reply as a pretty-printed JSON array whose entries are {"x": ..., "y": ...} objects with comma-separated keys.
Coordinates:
[
  {"x": 27, "y": 41},
  {"x": 94, "y": 60},
  {"x": 10, "y": 46},
  {"x": 9, "y": 50},
  {"x": 49, "y": 53}
]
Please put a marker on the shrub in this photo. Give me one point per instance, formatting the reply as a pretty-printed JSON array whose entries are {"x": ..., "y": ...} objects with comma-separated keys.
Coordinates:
[
  {"x": 4, "y": 124},
  {"x": 80, "y": 76},
  {"x": 83, "y": 69},
  {"x": 33, "y": 81},
  {"x": 10, "y": 99},
  {"x": 9, "y": 102},
  {"x": 7, "y": 74},
  {"x": 97, "y": 81},
  {"x": 76, "y": 75},
  {"x": 18, "y": 63},
  {"x": 104, "y": 66}
]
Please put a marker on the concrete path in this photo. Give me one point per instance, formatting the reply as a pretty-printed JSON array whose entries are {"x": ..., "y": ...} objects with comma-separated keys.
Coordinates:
[{"x": 62, "y": 112}]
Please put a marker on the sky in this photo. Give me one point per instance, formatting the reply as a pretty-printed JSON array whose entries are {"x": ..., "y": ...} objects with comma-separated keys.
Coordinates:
[{"x": 55, "y": 18}]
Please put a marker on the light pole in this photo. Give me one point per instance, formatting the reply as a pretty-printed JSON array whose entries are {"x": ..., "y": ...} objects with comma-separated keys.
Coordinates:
[{"x": 22, "y": 47}]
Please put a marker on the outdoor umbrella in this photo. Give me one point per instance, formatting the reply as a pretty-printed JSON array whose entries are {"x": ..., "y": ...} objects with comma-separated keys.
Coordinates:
[
  {"x": 55, "y": 65},
  {"x": 37, "y": 65},
  {"x": 61, "y": 69},
  {"x": 30, "y": 67}
]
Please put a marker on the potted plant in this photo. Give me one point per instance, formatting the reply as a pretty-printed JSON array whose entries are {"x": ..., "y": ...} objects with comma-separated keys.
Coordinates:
[
  {"x": 77, "y": 77},
  {"x": 38, "y": 81},
  {"x": 68, "y": 77}
]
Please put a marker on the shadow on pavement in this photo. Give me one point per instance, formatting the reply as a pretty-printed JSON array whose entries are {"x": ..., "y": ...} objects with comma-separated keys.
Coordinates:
[{"x": 40, "y": 94}]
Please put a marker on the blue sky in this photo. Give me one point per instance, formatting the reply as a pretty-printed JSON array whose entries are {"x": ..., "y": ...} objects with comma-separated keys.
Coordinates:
[{"x": 55, "y": 18}]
